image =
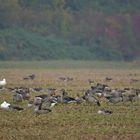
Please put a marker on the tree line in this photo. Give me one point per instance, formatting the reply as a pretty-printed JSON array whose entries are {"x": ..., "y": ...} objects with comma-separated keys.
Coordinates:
[{"x": 99, "y": 29}]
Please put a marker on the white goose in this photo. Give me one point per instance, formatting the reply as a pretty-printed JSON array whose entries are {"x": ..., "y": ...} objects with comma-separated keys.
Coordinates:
[
  {"x": 5, "y": 105},
  {"x": 3, "y": 82}
]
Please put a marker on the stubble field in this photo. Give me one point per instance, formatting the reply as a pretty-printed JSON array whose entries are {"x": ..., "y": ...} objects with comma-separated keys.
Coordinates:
[{"x": 70, "y": 121}]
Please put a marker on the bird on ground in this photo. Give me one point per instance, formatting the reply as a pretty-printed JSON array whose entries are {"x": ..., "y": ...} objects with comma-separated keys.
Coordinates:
[
  {"x": 40, "y": 110},
  {"x": 5, "y": 105},
  {"x": 64, "y": 98},
  {"x": 104, "y": 111},
  {"x": 9, "y": 107},
  {"x": 17, "y": 97},
  {"x": 90, "y": 98},
  {"x": 15, "y": 108},
  {"x": 3, "y": 82},
  {"x": 79, "y": 99}
]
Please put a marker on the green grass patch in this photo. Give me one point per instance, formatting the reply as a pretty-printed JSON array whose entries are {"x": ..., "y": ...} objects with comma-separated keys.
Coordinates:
[{"x": 73, "y": 64}]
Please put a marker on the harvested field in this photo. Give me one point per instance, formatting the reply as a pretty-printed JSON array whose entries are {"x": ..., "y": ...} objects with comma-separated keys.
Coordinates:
[{"x": 70, "y": 121}]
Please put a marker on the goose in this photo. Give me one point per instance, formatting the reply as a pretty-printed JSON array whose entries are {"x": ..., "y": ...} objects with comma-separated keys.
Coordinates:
[
  {"x": 64, "y": 98},
  {"x": 24, "y": 92},
  {"x": 134, "y": 97},
  {"x": 66, "y": 79},
  {"x": 5, "y": 105},
  {"x": 36, "y": 101},
  {"x": 104, "y": 111},
  {"x": 99, "y": 88},
  {"x": 108, "y": 79},
  {"x": 15, "y": 108},
  {"x": 68, "y": 99},
  {"x": 3, "y": 82},
  {"x": 32, "y": 76},
  {"x": 37, "y": 89},
  {"x": 29, "y": 77},
  {"x": 114, "y": 99},
  {"x": 49, "y": 102},
  {"x": 46, "y": 102},
  {"x": 2, "y": 88},
  {"x": 126, "y": 98},
  {"x": 9, "y": 107},
  {"x": 39, "y": 110},
  {"x": 17, "y": 97},
  {"x": 134, "y": 81},
  {"x": 91, "y": 99},
  {"x": 79, "y": 99},
  {"x": 42, "y": 96},
  {"x": 69, "y": 79}
]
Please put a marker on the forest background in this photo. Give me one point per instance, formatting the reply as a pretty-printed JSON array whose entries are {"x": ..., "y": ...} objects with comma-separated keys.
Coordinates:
[{"x": 70, "y": 29}]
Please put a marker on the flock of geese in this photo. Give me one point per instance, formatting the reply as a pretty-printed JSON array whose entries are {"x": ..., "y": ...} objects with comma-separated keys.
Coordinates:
[{"x": 44, "y": 103}]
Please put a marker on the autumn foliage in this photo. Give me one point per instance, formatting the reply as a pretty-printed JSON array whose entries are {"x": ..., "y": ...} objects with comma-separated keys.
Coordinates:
[{"x": 71, "y": 29}]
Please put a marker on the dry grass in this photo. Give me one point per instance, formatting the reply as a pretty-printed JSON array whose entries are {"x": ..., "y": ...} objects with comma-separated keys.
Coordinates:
[{"x": 71, "y": 121}]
